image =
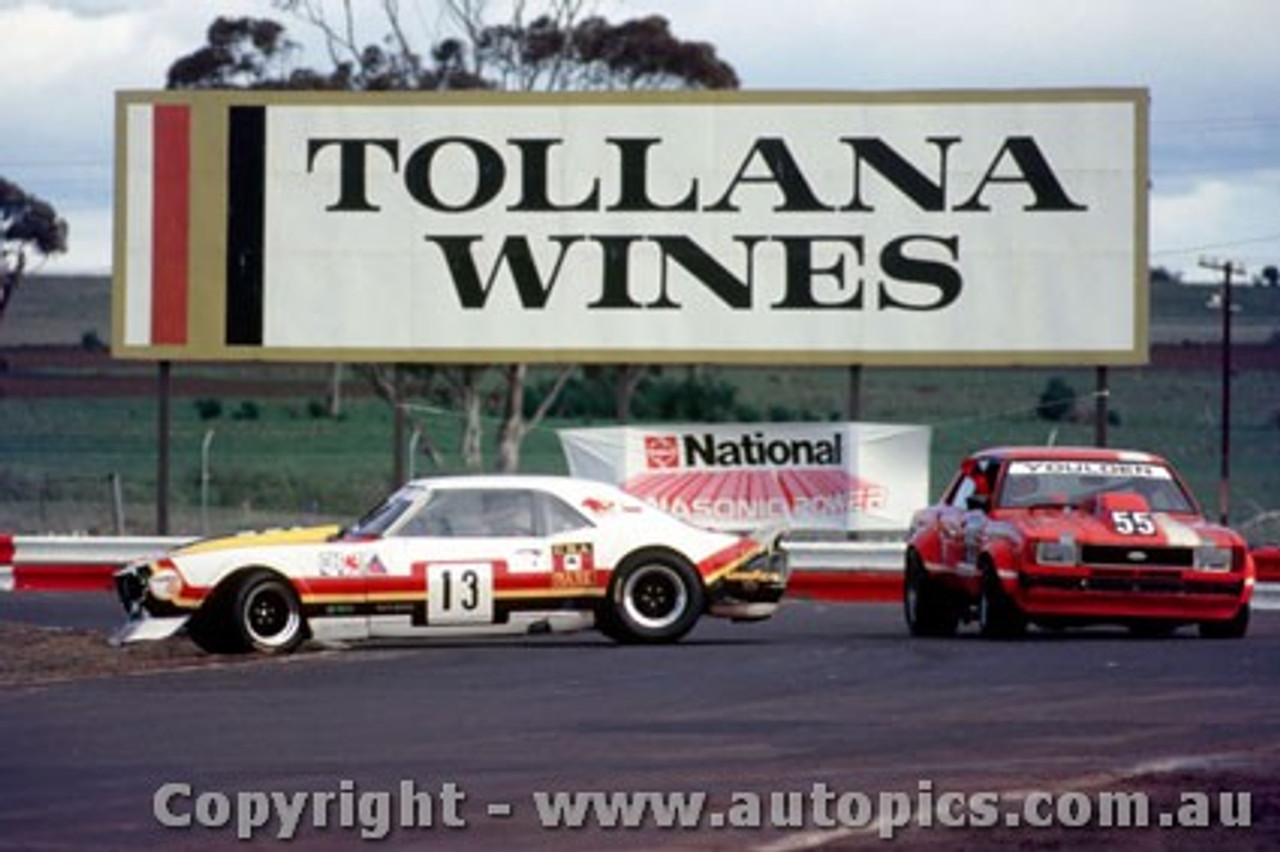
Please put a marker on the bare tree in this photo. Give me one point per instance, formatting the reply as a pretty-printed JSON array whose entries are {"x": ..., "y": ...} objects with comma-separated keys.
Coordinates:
[
  {"x": 514, "y": 424},
  {"x": 27, "y": 225},
  {"x": 550, "y": 45}
]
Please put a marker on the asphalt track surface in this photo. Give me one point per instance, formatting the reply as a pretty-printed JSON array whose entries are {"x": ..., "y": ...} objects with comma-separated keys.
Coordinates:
[{"x": 823, "y": 694}]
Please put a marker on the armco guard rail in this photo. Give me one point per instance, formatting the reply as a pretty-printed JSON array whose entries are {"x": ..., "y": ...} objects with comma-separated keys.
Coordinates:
[
  {"x": 826, "y": 569},
  {"x": 72, "y": 563},
  {"x": 846, "y": 570}
]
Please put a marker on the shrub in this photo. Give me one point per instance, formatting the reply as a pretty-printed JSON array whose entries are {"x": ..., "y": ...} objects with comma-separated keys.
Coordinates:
[
  {"x": 1057, "y": 400},
  {"x": 248, "y": 410},
  {"x": 90, "y": 341},
  {"x": 208, "y": 409}
]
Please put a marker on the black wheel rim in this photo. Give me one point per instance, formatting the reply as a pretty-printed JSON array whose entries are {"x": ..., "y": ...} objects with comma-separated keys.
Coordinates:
[
  {"x": 655, "y": 597},
  {"x": 271, "y": 619}
]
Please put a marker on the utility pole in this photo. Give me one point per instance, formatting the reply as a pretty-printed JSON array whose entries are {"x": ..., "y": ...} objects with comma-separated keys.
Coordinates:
[
  {"x": 164, "y": 389},
  {"x": 1101, "y": 395},
  {"x": 1227, "y": 268},
  {"x": 853, "y": 394}
]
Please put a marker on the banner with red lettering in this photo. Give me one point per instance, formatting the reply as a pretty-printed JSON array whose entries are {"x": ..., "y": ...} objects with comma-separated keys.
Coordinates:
[{"x": 859, "y": 477}]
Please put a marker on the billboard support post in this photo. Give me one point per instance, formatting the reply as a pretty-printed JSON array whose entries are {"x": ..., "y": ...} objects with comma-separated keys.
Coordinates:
[
  {"x": 163, "y": 421},
  {"x": 853, "y": 400},
  {"x": 1101, "y": 396}
]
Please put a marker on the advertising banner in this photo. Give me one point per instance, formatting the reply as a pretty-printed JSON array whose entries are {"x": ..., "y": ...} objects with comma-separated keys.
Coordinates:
[
  {"x": 853, "y": 477},
  {"x": 959, "y": 227}
]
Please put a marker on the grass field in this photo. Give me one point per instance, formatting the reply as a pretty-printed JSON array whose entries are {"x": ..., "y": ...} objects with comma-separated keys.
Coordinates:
[{"x": 270, "y": 460}]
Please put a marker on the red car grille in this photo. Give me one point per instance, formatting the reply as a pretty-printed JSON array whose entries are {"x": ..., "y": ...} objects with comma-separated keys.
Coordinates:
[{"x": 1152, "y": 557}]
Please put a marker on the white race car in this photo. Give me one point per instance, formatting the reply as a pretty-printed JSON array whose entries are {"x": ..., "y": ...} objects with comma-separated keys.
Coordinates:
[{"x": 453, "y": 556}]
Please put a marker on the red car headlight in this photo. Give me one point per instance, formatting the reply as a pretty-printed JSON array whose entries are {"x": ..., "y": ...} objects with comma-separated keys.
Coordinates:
[
  {"x": 1063, "y": 551},
  {"x": 1212, "y": 557}
]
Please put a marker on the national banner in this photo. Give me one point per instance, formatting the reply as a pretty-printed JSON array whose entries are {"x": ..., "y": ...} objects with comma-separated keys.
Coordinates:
[{"x": 853, "y": 477}]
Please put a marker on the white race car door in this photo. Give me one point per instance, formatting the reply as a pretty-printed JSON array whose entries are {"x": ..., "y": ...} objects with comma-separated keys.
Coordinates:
[{"x": 455, "y": 560}]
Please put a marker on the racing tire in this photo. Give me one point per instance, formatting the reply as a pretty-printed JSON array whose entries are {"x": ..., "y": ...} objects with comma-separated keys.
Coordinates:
[
  {"x": 211, "y": 628},
  {"x": 654, "y": 597},
  {"x": 266, "y": 615},
  {"x": 1233, "y": 628},
  {"x": 998, "y": 616},
  {"x": 925, "y": 605}
]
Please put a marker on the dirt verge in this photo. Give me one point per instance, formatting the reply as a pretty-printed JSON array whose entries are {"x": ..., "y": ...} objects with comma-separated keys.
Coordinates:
[{"x": 39, "y": 655}]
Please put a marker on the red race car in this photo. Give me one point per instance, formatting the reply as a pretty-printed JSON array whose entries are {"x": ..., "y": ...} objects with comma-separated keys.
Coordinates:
[{"x": 1058, "y": 536}]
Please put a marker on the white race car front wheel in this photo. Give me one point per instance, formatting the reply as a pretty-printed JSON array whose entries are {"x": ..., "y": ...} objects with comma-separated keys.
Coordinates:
[{"x": 267, "y": 614}]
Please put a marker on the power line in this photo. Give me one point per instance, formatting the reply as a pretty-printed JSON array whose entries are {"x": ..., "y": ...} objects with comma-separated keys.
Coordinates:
[
  {"x": 1214, "y": 246},
  {"x": 1258, "y": 120}
]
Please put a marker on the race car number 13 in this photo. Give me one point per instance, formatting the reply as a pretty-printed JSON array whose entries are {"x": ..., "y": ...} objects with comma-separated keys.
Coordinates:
[{"x": 460, "y": 593}]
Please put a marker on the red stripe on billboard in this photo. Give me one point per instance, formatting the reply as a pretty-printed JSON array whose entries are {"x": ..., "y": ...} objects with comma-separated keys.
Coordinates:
[{"x": 171, "y": 224}]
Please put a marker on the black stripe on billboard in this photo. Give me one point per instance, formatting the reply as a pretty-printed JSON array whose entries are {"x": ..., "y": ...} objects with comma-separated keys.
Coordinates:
[{"x": 246, "y": 188}]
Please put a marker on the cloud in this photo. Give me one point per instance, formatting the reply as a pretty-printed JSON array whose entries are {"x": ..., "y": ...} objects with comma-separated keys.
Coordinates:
[
  {"x": 1196, "y": 56},
  {"x": 1210, "y": 67},
  {"x": 64, "y": 62},
  {"x": 1232, "y": 219}
]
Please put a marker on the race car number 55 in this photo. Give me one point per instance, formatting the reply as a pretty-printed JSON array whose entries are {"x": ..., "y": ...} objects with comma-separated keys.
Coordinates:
[
  {"x": 460, "y": 593},
  {"x": 1133, "y": 523}
]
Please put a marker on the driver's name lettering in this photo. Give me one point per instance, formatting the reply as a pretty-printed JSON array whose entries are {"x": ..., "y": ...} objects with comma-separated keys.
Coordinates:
[{"x": 1087, "y": 468}]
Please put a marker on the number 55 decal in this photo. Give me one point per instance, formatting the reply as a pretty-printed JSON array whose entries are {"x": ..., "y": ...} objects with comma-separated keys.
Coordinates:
[
  {"x": 459, "y": 593},
  {"x": 1133, "y": 523}
]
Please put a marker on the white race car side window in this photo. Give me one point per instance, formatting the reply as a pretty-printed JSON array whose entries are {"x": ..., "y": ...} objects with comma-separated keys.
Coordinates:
[
  {"x": 561, "y": 517},
  {"x": 474, "y": 513}
]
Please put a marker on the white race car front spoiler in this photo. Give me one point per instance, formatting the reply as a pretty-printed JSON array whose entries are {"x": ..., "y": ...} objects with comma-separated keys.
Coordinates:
[{"x": 147, "y": 629}]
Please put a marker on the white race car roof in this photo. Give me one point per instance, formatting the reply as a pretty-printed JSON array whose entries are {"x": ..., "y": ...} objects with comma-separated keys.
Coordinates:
[{"x": 570, "y": 488}]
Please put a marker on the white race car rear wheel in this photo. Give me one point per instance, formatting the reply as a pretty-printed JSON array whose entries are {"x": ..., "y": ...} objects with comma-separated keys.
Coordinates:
[{"x": 654, "y": 597}]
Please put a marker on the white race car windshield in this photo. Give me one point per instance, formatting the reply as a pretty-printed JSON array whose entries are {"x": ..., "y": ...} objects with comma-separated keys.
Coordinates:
[{"x": 380, "y": 519}]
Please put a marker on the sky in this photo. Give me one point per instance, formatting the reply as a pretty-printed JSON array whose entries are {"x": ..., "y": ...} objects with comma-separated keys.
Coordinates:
[{"x": 1212, "y": 70}]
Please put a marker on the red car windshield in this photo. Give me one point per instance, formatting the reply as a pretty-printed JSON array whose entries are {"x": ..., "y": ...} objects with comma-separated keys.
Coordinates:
[{"x": 1059, "y": 482}]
